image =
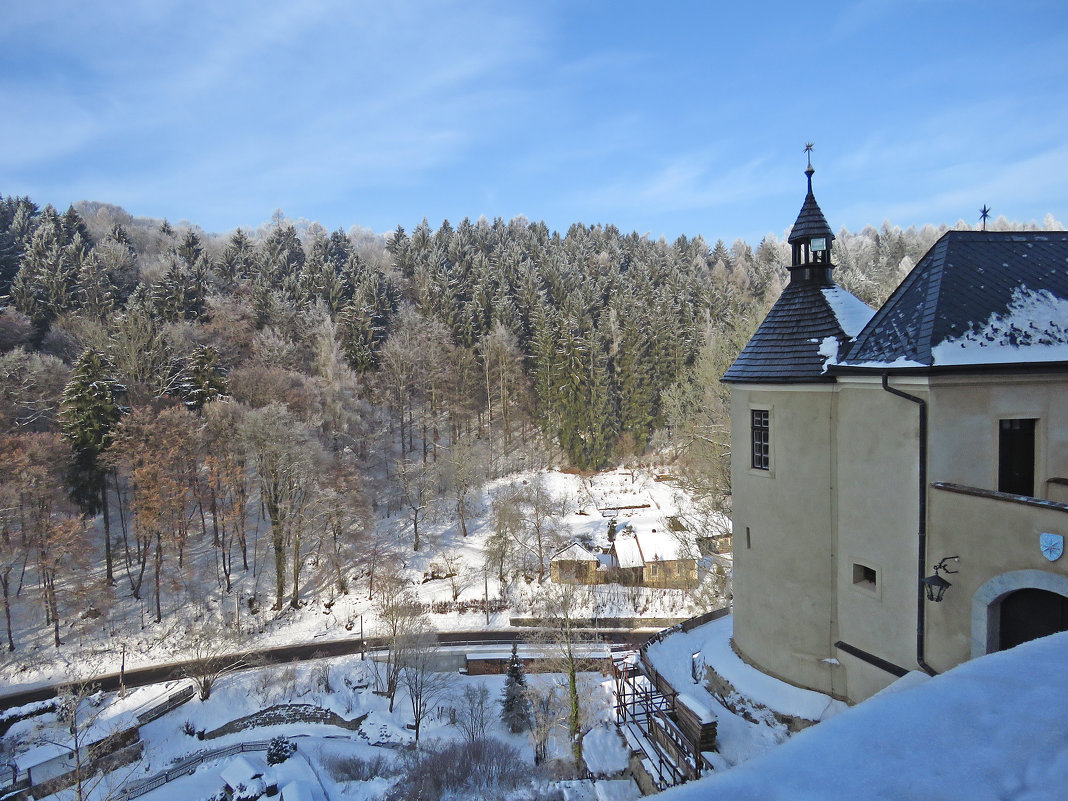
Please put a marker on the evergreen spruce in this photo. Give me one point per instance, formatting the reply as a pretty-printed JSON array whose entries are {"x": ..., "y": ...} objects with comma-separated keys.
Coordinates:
[
  {"x": 204, "y": 378},
  {"x": 88, "y": 413},
  {"x": 515, "y": 706}
]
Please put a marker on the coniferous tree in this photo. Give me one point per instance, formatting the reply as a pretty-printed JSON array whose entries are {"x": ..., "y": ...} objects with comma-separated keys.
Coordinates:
[
  {"x": 204, "y": 379},
  {"x": 74, "y": 225},
  {"x": 89, "y": 411},
  {"x": 515, "y": 705}
]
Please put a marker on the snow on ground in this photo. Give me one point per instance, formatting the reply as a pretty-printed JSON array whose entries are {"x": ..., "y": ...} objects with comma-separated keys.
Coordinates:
[
  {"x": 990, "y": 729},
  {"x": 585, "y": 506},
  {"x": 380, "y": 741},
  {"x": 672, "y": 658},
  {"x": 604, "y": 751},
  {"x": 94, "y": 646},
  {"x": 739, "y": 740}
]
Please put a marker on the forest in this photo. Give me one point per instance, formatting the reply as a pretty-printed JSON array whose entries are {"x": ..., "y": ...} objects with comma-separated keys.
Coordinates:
[{"x": 160, "y": 385}]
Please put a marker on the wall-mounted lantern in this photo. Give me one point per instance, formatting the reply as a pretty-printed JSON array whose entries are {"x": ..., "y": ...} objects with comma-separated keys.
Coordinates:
[{"x": 935, "y": 585}]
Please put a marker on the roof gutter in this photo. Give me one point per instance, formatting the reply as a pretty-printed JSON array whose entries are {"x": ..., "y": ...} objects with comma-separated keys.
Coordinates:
[{"x": 921, "y": 624}]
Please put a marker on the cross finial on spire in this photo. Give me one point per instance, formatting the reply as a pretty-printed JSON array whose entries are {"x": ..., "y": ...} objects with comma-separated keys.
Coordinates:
[{"x": 984, "y": 212}]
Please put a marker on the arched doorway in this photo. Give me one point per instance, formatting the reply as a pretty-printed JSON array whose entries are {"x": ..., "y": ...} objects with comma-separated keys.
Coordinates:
[
  {"x": 1029, "y": 614},
  {"x": 1016, "y": 607}
]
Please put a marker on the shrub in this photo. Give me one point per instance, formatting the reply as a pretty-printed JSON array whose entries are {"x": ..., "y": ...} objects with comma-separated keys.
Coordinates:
[
  {"x": 280, "y": 750},
  {"x": 357, "y": 769},
  {"x": 482, "y": 769}
]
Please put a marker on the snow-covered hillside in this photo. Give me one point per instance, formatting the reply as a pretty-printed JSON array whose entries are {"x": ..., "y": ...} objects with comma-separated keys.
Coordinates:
[{"x": 580, "y": 512}]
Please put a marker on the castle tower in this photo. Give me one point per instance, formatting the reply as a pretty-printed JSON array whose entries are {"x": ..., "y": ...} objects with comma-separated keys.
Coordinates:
[{"x": 783, "y": 467}]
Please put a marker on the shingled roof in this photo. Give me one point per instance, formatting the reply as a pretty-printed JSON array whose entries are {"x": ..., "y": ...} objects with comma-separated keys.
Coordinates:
[
  {"x": 810, "y": 222},
  {"x": 975, "y": 298},
  {"x": 804, "y": 330},
  {"x": 812, "y": 319}
]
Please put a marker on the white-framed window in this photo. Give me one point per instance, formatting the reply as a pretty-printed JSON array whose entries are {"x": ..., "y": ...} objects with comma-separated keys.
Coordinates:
[{"x": 760, "y": 438}]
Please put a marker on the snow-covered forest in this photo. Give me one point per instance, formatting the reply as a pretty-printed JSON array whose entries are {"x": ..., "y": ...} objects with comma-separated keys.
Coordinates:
[{"x": 182, "y": 410}]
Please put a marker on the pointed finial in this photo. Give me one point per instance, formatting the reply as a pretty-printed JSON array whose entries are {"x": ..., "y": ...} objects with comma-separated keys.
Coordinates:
[
  {"x": 984, "y": 212},
  {"x": 809, "y": 170}
]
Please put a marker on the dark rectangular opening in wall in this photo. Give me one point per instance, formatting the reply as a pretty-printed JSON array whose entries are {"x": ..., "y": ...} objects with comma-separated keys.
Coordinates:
[
  {"x": 761, "y": 438},
  {"x": 865, "y": 576},
  {"x": 1016, "y": 456}
]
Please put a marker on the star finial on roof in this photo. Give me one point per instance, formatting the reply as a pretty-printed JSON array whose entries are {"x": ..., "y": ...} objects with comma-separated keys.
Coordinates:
[
  {"x": 984, "y": 212},
  {"x": 808, "y": 152}
]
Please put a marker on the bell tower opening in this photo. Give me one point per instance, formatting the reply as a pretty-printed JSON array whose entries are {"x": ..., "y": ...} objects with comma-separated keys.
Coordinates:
[{"x": 811, "y": 239}]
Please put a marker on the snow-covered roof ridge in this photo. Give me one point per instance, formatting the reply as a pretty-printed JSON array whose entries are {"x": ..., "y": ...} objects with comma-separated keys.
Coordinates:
[
  {"x": 976, "y": 298},
  {"x": 628, "y": 552},
  {"x": 851, "y": 312},
  {"x": 574, "y": 552}
]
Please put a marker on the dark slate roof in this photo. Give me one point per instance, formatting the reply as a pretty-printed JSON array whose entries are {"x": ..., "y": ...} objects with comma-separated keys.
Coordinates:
[
  {"x": 998, "y": 297},
  {"x": 810, "y": 221},
  {"x": 786, "y": 347}
]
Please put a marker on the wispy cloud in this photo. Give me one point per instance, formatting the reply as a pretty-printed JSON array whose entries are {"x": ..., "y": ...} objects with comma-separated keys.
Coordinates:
[{"x": 688, "y": 181}]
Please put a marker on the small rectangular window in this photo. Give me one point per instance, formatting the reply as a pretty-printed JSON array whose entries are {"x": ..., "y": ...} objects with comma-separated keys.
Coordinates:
[
  {"x": 865, "y": 576},
  {"x": 761, "y": 438},
  {"x": 1016, "y": 456}
]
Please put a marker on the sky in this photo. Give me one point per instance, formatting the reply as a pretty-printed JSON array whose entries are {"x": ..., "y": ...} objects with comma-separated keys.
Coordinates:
[{"x": 662, "y": 118}]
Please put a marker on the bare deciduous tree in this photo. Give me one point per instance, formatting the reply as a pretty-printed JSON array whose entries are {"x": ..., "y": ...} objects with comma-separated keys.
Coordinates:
[
  {"x": 544, "y": 704},
  {"x": 561, "y": 641},
  {"x": 472, "y": 714},
  {"x": 401, "y": 620},
  {"x": 285, "y": 460},
  {"x": 423, "y": 675},
  {"x": 213, "y": 655}
]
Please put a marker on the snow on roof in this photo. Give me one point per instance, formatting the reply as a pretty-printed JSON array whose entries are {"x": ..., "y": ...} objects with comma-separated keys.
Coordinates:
[
  {"x": 39, "y": 755},
  {"x": 1033, "y": 328},
  {"x": 975, "y": 298},
  {"x": 991, "y": 728},
  {"x": 604, "y": 753},
  {"x": 628, "y": 553},
  {"x": 574, "y": 553},
  {"x": 578, "y": 790},
  {"x": 298, "y": 790},
  {"x": 659, "y": 545},
  {"x": 637, "y": 547},
  {"x": 829, "y": 351},
  {"x": 617, "y": 790},
  {"x": 242, "y": 769},
  {"x": 851, "y": 312}
]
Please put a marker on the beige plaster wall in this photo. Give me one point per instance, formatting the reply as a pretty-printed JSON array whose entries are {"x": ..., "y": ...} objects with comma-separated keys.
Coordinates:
[
  {"x": 992, "y": 536},
  {"x": 878, "y": 525},
  {"x": 843, "y": 491},
  {"x": 964, "y": 423},
  {"x": 784, "y": 589}
]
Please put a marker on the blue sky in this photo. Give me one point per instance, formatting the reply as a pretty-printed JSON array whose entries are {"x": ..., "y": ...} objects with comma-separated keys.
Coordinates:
[{"x": 668, "y": 118}]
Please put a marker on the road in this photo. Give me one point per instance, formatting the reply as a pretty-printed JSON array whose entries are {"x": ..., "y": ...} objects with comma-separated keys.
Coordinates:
[{"x": 139, "y": 677}]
